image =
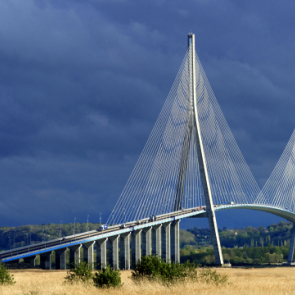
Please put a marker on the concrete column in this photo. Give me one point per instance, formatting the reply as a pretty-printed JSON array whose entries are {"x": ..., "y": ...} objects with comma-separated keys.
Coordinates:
[
  {"x": 88, "y": 253},
  {"x": 61, "y": 258},
  {"x": 125, "y": 251},
  {"x": 114, "y": 249},
  {"x": 214, "y": 235},
  {"x": 46, "y": 260},
  {"x": 136, "y": 246},
  {"x": 75, "y": 255},
  {"x": 31, "y": 260},
  {"x": 166, "y": 249},
  {"x": 292, "y": 245},
  {"x": 156, "y": 240},
  {"x": 101, "y": 253},
  {"x": 146, "y": 241},
  {"x": 175, "y": 252}
]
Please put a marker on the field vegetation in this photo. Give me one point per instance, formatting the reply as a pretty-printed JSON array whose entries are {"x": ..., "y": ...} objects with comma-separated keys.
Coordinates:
[{"x": 254, "y": 281}]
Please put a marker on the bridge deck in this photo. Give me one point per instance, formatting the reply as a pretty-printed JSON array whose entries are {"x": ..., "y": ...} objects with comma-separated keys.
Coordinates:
[{"x": 90, "y": 236}]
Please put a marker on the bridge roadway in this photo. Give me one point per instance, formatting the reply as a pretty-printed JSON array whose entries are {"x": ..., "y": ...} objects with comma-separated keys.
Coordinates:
[
  {"x": 90, "y": 236},
  {"x": 130, "y": 227}
]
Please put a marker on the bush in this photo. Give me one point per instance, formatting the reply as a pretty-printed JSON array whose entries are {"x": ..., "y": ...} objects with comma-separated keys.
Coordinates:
[
  {"x": 107, "y": 278},
  {"x": 155, "y": 268},
  {"x": 5, "y": 276},
  {"x": 210, "y": 276},
  {"x": 79, "y": 272}
]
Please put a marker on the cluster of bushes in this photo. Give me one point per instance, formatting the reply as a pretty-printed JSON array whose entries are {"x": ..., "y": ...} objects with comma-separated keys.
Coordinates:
[
  {"x": 156, "y": 269},
  {"x": 151, "y": 268},
  {"x": 83, "y": 272}
]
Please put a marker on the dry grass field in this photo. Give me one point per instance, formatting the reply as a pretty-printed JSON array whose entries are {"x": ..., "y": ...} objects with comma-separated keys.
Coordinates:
[{"x": 280, "y": 280}]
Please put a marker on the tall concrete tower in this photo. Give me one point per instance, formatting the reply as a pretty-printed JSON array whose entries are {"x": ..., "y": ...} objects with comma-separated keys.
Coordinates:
[{"x": 193, "y": 129}]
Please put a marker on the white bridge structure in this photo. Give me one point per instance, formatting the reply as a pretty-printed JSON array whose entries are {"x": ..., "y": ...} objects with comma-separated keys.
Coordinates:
[{"x": 191, "y": 166}]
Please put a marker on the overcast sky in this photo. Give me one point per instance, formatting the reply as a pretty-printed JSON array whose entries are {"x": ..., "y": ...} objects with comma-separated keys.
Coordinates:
[{"x": 83, "y": 81}]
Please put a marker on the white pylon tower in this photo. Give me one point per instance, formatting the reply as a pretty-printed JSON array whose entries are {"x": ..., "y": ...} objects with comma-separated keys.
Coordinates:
[{"x": 193, "y": 127}]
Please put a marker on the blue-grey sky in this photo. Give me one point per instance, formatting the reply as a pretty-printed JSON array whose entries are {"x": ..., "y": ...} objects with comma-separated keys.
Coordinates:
[{"x": 82, "y": 83}]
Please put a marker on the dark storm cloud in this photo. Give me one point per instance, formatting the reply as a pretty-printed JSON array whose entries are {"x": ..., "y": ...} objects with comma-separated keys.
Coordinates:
[{"x": 82, "y": 83}]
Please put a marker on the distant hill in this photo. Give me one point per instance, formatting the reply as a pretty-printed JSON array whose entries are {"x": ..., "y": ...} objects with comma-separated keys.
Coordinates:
[
  {"x": 275, "y": 234},
  {"x": 248, "y": 246},
  {"x": 13, "y": 237}
]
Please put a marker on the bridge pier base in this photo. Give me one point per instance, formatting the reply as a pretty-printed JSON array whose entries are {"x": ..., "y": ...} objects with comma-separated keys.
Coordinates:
[
  {"x": 75, "y": 254},
  {"x": 125, "y": 251},
  {"x": 166, "y": 242},
  {"x": 61, "y": 259},
  {"x": 136, "y": 246},
  {"x": 88, "y": 253},
  {"x": 46, "y": 260},
  {"x": 156, "y": 240},
  {"x": 114, "y": 249},
  {"x": 146, "y": 240},
  {"x": 175, "y": 249},
  {"x": 101, "y": 253},
  {"x": 31, "y": 260},
  {"x": 292, "y": 245},
  {"x": 215, "y": 237}
]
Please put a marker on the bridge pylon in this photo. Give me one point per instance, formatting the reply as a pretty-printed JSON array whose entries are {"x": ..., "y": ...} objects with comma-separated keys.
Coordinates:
[
  {"x": 292, "y": 246},
  {"x": 190, "y": 161},
  {"x": 193, "y": 128}
]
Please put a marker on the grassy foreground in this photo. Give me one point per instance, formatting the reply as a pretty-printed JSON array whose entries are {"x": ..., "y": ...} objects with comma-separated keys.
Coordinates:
[{"x": 269, "y": 281}]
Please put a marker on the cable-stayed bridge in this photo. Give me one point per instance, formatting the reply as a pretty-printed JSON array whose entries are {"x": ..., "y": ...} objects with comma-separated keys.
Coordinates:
[{"x": 191, "y": 166}]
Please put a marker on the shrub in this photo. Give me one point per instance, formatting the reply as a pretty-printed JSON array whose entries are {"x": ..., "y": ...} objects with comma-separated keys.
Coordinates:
[
  {"x": 79, "y": 272},
  {"x": 210, "y": 276},
  {"x": 5, "y": 276},
  {"x": 107, "y": 278},
  {"x": 155, "y": 268}
]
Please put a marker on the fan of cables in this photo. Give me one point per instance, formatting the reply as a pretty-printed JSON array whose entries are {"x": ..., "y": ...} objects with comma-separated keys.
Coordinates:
[
  {"x": 279, "y": 190},
  {"x": 167, "y": 170}
]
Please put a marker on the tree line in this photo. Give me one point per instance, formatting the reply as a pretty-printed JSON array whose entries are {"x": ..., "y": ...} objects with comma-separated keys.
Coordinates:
[
  {"x": 13, "y": 237},
  {"x": 239, "y": 246}
]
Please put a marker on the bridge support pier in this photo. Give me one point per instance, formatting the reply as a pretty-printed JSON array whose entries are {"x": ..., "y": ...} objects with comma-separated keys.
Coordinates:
[
  {"x": 101, "y": 253},
  {"x": 166, "y": 242},
  {"x": 136, "y": 246},
  {"x": 215, "y": 236},
  {"x": 175, "y": 251},
  {"x": 146, "y": 240},
  {"x": 292, "y": 245},
  {"x": 156, "y": 240},
  {"x": 125, "y": 251},
  {"x": 61, "y": 259},
  {"x": 75, "y": 254},
  {"x": 114, "y": 249},
  {"x": 88, "y": 253},
  {"x": 46, "y": 260},
  {"x": 31, "y": 260}
]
